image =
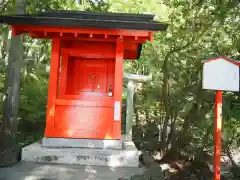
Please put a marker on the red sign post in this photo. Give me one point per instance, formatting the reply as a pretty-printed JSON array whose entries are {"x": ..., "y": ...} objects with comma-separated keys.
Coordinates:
[
  {"x": 217, "y": 134},
  {"x": 220, "y": 74}
]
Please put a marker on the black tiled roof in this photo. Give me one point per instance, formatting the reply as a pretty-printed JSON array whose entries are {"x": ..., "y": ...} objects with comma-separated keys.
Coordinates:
[
  {"x": 87, "y": 19},
  {"x": 99, "y": 15}
]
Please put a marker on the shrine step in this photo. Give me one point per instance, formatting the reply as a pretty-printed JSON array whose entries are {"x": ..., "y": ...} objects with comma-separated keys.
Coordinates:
[
  {"x": 82, "y": 143},
  {"x": 127, "y": 157}
]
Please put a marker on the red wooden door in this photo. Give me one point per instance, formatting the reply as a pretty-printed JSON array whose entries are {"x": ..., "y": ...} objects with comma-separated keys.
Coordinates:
[
  {"x": 85, "y": 76},
  {"x": 91, "y": 75},
  {"x": 100, "y": 73},
  {"x": 87, "y": 116}
]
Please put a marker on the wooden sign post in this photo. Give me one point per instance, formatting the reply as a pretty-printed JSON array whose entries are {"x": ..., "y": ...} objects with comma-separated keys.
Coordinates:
[{"x": 220, "y": 74}]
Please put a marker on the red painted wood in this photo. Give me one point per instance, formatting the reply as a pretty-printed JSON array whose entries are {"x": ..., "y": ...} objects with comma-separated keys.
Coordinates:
[
  {"x": 87, "y": 31},
  {"x": 84, "y": 94},
  {"x": 14, "y": 31},
  {"x": 151, "y": 36},
  {"x": 73, "y": 76},
  {"x": 63, "y": 74},
  {"x": 52, "y": 87},
  {"x": 101, "y": 74},
  {"x": 85, "y": 75},
  {"x": 96, "y": 52},
  {"x": 111, "y": 75},
  {"x": 91, "y": 65},
  {"x": 84, "y": 37},
  {"x": 130, "y": 37},
  {"x": 79, "y": 71},
  {"x": 217, "y": 135},
  {"x": 88, "y": 96},
  {"x": 118, "y": 81},
  {"x": 84, "y": 122},
  {"x": 86, "y": 103}
]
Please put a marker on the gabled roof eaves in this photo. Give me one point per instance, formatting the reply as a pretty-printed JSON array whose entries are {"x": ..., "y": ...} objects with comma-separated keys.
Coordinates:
[
  {"x": 224, "y": 58},
  {"x": 88, "y": 20}
]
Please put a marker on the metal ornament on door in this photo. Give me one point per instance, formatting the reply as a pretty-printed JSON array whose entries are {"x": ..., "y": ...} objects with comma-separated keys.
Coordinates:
[{"x": 93, "y": 76}]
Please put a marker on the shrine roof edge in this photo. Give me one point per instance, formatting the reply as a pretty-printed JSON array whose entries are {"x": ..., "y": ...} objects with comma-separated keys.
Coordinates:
[{"x": 87, "y": 19}]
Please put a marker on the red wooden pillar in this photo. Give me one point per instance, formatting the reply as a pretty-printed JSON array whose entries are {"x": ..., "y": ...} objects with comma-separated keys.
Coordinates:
[
  {"x": 217, "y": 135},
  {"x": 53, "y": 85},
  {"x": 118, "y": 81}
]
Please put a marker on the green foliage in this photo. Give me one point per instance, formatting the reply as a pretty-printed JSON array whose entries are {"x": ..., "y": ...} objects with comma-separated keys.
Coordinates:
[
  {"x": 33, "y": 98},
  {"x": 197, "y": 31},
  {"x": 98, "y": 6},
  {"x": 34, "y": 6}
]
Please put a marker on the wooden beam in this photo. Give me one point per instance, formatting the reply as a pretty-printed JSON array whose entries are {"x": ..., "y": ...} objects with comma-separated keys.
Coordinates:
[{"x": 53, "y": 85}]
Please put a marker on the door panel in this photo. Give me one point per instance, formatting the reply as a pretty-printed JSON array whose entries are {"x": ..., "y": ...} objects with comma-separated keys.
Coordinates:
[
  {"x": 71, "y": 77},
  {"x": 85, "y": 75},
  {"x": 100, "y": 72},
  {"x": 90, "y": 75}
]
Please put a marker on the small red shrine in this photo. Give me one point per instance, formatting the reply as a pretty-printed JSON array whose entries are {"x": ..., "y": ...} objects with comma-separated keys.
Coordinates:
[{"x": 86, "y": 67}]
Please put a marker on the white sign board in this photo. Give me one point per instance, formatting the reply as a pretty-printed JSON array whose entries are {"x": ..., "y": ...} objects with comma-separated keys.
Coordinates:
[
  {"x": 221, "y": 74},
  {"x": 117, "y": 110}
]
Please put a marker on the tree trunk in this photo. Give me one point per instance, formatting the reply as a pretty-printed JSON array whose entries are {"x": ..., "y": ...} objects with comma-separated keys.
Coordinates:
[
  {"x": 12, "y": 81},
  {"x": 9, "y": 151}
]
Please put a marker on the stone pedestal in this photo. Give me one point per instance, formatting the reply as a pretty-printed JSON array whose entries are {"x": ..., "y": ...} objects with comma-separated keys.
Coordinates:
[
  {"x": 82, "y": 143},
  {"x": 128, "y": 156}
]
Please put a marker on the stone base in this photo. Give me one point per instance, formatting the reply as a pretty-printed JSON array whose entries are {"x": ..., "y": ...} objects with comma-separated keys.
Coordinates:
[
  {"x": 82, "y": 143},
  {"x": 127, "y": 157}
]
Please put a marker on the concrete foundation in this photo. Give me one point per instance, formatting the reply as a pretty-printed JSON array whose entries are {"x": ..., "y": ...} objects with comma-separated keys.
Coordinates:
[
  {"x": 82, "y": 143},
  {"x": 44, "y": 171},
  {"x": 126, "y": 157}
]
